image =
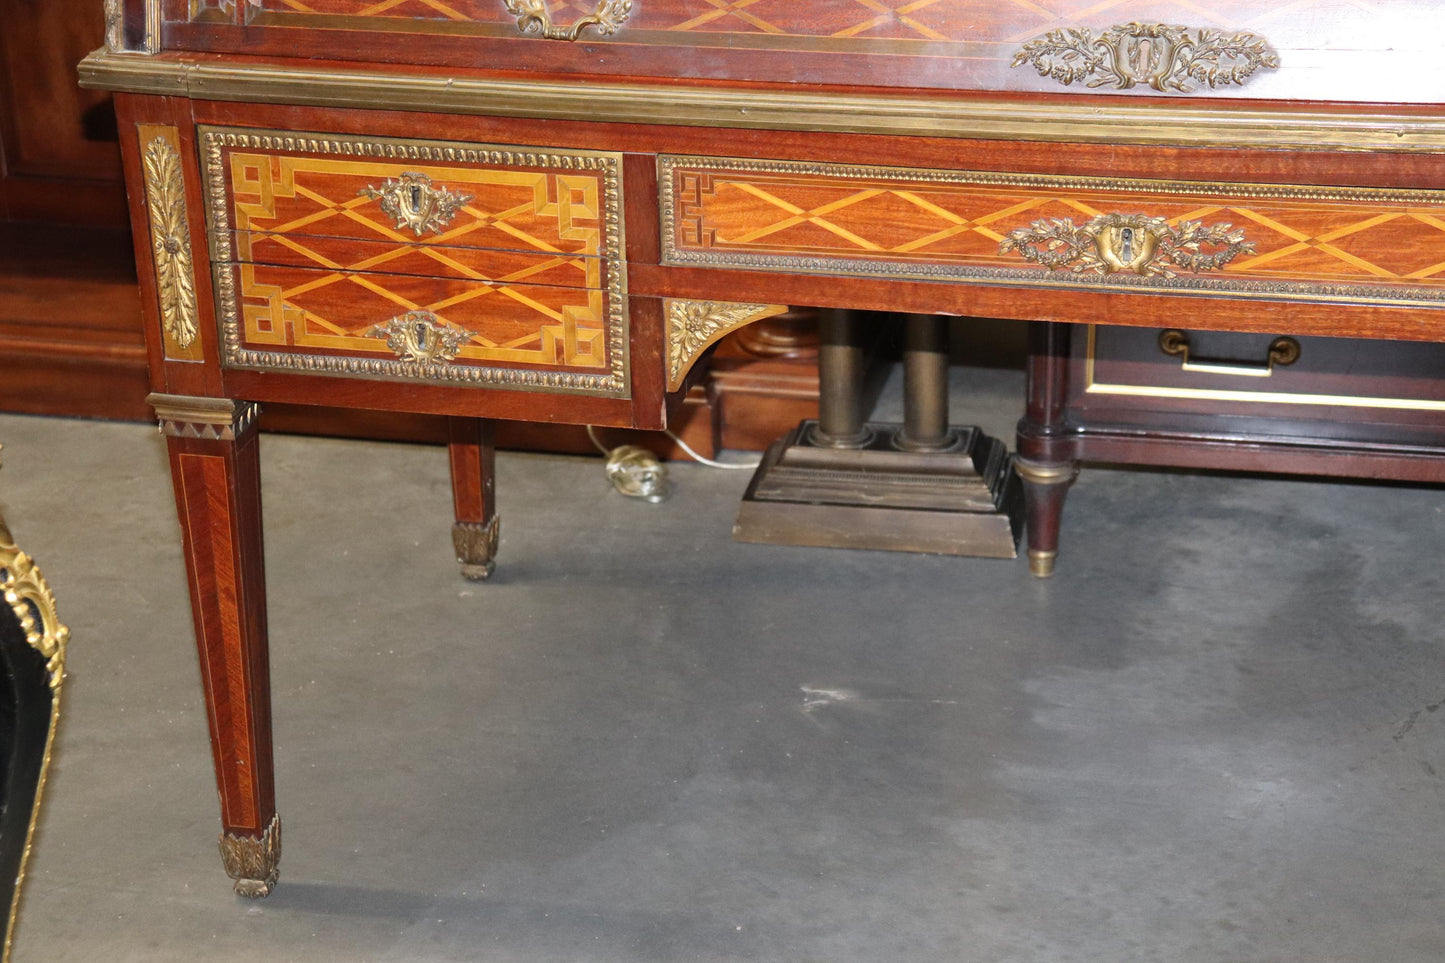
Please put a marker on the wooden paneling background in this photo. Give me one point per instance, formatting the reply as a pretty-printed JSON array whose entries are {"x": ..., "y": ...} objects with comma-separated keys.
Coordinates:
[{"x": 70, "y": 335}]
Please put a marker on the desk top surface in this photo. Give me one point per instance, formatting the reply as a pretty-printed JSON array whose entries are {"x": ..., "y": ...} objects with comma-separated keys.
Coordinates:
[{"x": 1254, "y": 50}]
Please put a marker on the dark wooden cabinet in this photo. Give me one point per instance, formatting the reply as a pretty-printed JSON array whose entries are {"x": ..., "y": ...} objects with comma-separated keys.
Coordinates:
[{"x": 70, "y": 329}]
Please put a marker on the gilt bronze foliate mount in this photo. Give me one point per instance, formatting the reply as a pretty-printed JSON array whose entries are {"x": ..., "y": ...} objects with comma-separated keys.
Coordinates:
[
  {"x": 421, "y": 338},
  {"x": 414, "y": 203},
  {"x": 1127, "y": 243},
  {"x": 1165, "y": 57},
  {"x": 533, "y": 16}
]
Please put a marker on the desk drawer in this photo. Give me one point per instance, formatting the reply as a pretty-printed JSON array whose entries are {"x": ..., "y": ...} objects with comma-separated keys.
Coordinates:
[
  {"x": 1350, "y": 245},
  {"x": 1206, "y": 381},
  {"x": 418, "y": 260}
]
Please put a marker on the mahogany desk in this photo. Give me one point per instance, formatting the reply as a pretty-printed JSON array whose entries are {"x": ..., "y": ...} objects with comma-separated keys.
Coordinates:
[{"x": 548, "y": 209}]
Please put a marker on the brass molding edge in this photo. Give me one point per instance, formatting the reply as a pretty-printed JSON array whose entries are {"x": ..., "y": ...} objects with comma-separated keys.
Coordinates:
[
  {"x": 170, "y": 238},
  {"x": 864, "y": 265},
  {"x": 946, "y": 117},
  {"x": 29, "y": 597},
  {"x": 614, "y": 384},
  {"x": 212, "y": 419},
  {"x": 254, "y": 863},
  {"x": 694, "y": 326}
]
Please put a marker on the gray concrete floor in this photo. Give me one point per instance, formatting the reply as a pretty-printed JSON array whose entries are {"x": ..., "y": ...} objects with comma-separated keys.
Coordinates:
[{"x": 1216, "y": 735}]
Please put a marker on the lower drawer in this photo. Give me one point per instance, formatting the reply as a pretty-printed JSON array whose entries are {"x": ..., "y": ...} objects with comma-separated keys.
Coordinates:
[
  {"x": 1259, "y": 384},
  {"x": 416, "y": 328}
]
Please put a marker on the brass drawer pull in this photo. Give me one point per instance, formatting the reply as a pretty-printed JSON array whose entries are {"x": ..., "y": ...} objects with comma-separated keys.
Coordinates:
[
  {"x": 412, "y": 202},
  {"x": 1282, "y": 351},
  {"x": 607, "y": 17}
]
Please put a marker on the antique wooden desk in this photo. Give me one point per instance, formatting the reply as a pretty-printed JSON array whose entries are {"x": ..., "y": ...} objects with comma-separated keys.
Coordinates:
[{"x": 548, "y": 209}]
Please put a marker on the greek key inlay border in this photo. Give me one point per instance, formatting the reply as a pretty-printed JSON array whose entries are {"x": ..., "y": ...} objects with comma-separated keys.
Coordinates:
[
  {"x": 1038, "y": 277},
  {"x": 615, "y": 383}
]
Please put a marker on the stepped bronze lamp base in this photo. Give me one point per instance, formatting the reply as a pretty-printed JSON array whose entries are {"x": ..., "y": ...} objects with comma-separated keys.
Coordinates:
[{"x": 963, "y": 499}]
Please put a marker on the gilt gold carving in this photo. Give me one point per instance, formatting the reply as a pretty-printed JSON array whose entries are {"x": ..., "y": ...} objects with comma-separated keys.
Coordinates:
[
  {"x": 413, "y": 203},
  {"x": 420, "y": 337},
  {"x": 254, "y": 863},
  {"x": 29, "y": 597},
  {"x": 693, "y": 326},
  {"x": 532, "y": 15},
  {"x": 1162, "y": 56},
  {"x": 171, "y": 239},
  {"x": 1128, "y": 243}
]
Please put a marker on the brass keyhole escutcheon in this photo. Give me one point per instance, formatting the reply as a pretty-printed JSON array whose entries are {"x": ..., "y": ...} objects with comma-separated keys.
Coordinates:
[{"x": 414, "y": 203}]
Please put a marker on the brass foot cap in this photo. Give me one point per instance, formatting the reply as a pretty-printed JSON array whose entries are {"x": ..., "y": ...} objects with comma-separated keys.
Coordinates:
[
  {"x": 476, "y": 546},
  {"x": 477, "y": 573},
  {"x": 1042, "y": 563},
  {"x": 254, "y": 888}
]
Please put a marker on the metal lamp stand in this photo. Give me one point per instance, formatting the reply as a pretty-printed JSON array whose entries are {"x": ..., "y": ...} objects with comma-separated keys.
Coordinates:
[{"x": 924, "y": 486}]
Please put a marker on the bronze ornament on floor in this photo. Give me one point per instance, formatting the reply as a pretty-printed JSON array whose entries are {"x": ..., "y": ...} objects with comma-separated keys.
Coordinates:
[{"x": 33, "y": 645}]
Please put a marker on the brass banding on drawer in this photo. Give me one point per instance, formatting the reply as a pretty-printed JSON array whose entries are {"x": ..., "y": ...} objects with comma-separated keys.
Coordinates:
[
  {"x": 418, "y": 260},
  {"x": 1351, "y": 245}
]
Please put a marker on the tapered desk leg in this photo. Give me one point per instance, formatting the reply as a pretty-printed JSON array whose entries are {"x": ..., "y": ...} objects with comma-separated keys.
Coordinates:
[
  {"x": 1046, "y": 462},
  {"x": 476, "y": 530},
  {"x": 216, "y": 473}
]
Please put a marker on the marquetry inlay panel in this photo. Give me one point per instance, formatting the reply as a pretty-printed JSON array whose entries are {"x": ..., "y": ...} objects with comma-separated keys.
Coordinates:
[
  {"x": 1266, "y": 241},
  {"x": 916, "y": 21},
  {"x": 460, "y": 263}
]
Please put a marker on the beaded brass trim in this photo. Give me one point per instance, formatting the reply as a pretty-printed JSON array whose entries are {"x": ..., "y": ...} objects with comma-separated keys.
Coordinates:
[{"x": 615, "y": 383}]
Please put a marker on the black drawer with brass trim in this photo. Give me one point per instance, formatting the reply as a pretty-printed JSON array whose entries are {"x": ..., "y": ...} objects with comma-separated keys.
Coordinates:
[{"x": 1259, "y": 402}]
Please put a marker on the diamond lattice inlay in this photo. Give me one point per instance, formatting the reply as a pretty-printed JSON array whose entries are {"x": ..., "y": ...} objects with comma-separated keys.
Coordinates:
[
  {"x": 824, "y": 218},
  {"x": 519, "y": 264}
]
